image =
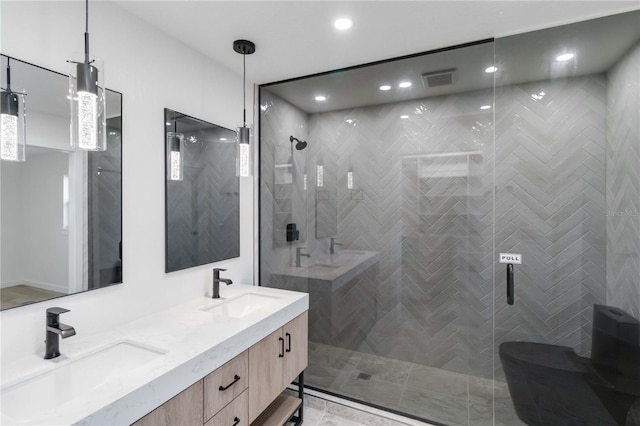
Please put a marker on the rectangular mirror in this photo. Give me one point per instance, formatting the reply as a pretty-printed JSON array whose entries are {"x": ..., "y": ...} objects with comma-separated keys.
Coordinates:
[
  {"x": 202, "y": 209},
  {"x": 326, "y": 194},
  {"x": 61, "y": 214}
]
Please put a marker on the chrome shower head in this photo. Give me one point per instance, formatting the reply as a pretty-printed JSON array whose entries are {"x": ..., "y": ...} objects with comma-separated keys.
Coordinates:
[{"x": 300, "y": 145}]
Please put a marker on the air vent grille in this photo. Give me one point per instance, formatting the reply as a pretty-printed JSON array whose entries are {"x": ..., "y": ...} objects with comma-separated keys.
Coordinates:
[{"x": 439, "y": 78}]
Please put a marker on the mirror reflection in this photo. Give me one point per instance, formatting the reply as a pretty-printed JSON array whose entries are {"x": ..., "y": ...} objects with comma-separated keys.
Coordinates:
[
  {"x": 202, "y": 204},
  {"x": 61, "y": 230}
]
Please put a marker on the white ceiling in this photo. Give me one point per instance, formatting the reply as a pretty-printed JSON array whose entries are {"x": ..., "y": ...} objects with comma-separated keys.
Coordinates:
[
  {"x": 297, "y": 38},
  {"x": 598, "y": 44}
]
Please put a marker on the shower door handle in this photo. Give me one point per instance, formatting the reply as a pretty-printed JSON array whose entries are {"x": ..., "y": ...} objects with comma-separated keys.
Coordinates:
[{"x": 510, "y": 294}]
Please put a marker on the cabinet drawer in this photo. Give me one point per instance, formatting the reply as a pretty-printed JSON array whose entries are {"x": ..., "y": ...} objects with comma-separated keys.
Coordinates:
[
  {"x": 234, "y": 414},
  {"x": 224, "y": 384}
]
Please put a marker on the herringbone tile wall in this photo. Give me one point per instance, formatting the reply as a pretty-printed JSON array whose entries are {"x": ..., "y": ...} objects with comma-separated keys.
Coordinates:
[
  {"x": 550, "y": 199},
  {"x": 430, "y": 217},
  {"x": 623, "y": 184},
  {"x": 283, "y": 198}
]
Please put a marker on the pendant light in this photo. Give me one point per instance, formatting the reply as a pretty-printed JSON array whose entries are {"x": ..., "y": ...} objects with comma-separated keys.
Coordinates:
[
  {"x": 12, "y": 122},
  {"x": 175, "y": 145},
  {"x": 244, "y": 47},
  {"x": 87, "y": 95}
]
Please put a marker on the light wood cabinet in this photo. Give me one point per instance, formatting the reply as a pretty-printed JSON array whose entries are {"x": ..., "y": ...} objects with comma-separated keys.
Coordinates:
[
  {"x": 276, "y": 361},
  {"x": 296, "y": 335},
  {"x": 265, "y": 372},
  {"x": 183, "y": 409},
  {"x": 247, "y": 388}
]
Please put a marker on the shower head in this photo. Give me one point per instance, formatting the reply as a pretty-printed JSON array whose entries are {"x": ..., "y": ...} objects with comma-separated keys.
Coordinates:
[{"x": 300, "y": 145}]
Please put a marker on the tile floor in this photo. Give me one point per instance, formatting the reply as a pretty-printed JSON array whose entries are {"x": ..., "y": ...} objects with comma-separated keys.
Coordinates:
[
  {"x": 19, "y": 295},
  {"x": 441, "y": 396},
  {"x": 324, "y": 410}
]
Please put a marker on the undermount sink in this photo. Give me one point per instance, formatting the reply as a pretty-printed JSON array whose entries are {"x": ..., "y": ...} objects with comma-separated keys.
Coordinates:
[
  {"x": 241, "y": 306},
  {"x": 45, "y": 392}
]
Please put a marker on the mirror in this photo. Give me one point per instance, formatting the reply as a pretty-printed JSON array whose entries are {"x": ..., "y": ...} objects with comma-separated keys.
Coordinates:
[
  {"x": 61, "y": 215},
  {"x": 202, "y": 208},
  {"x": 326, "y": 195}
]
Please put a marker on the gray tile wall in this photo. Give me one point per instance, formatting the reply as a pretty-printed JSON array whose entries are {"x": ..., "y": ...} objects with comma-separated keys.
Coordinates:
[
  {"x": 623, "y": 184},
  {"x": 283, "y": 197},
  {"x": 550, "y": 195}
]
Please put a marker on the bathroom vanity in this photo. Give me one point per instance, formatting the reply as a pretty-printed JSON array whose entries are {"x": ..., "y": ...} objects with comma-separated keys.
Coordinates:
[{"x": 202, "y": 362}]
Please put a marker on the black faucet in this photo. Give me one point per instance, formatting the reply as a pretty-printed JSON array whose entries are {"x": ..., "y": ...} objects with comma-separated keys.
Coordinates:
[
  {"x": 55, "y": 330},
  {"x": 216, "y": 282}
]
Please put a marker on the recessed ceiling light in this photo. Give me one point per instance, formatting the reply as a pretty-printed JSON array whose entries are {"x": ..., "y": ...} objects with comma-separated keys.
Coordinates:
[
  {"x": 404, "y": 117},
  {"x": 564, "y": 57},
  {"x": 385, "y": 87},
  {"x": 168, "y": 124},
  {"x": 491, "y": 69},
  {"x": 223, "y": 139},
  {"x": 321, "y": 98},
  {"x": 485, "y": 107},
  {"x": 342, "y": 23},
  {"x": 405, "y": 84}
]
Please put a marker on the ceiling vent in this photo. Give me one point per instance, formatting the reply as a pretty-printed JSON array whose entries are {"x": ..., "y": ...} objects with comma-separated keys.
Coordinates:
[{"x": 439, "y": 78}]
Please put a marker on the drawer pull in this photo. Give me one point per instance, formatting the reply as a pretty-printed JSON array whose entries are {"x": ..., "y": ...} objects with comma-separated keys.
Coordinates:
[
  {"x": 288, "y": 342},
  {"x": 236, "y": 420},
  {"x": 235, "y": 379},
  {"x": 281, "y": 354}
]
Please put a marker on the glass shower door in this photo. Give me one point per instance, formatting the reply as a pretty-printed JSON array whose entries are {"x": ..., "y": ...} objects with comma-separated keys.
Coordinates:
[
  {"x": 389, "y": 207},
  {"x": 566, "y": 182}
]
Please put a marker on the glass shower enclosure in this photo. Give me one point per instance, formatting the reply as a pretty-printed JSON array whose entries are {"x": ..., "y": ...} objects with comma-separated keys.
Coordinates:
[{"x": 392, "y": 201}]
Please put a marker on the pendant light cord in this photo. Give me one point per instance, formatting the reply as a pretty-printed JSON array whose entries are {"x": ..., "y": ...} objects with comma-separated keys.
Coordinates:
[
  {"x": 8, "y": 75},
  {"x": 244, "y": 89},
  {"x": 86, "y": 32}
]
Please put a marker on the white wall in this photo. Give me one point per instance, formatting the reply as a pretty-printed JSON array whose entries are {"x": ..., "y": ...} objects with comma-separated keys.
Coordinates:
[
  {"x": 36, "y": 251},
  {"x": 153, "y": 72}
]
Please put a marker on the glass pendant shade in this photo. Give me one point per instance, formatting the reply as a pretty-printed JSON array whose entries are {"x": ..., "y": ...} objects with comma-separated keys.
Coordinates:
[
  {"x": 88, "y": 104},
  {"x": 319, "y": 175},
  {"x": 175, "y": 156},
  {"x": 12, "y": 126},
  {"x": 243, "y": 162}
]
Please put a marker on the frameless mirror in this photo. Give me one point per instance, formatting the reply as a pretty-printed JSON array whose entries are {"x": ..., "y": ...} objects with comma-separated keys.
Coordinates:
[
  {"x": 61, "y": 215},
  {"x": 202, "y": 210},
  {"x": 326, "y": 195}
]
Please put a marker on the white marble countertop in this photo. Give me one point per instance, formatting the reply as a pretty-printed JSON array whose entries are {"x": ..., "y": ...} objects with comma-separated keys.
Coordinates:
[{"x": 193, "y": 343}]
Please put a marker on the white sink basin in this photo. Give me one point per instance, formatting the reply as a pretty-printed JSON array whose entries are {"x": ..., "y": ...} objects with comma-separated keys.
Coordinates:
[
  {"x": 241, "y": 306},
  {"x": 47, "y": 391}
]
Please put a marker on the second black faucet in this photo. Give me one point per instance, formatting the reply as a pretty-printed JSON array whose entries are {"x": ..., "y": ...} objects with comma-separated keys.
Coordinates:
[{"x": 216, "y": 282}]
